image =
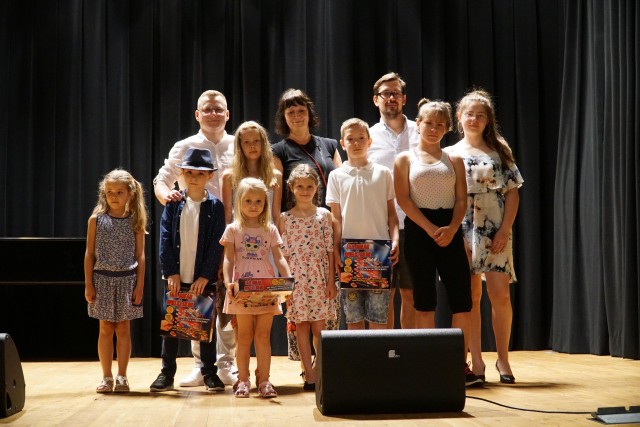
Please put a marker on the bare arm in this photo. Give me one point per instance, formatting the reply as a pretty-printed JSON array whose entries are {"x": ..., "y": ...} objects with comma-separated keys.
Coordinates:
[
  {"x": 511, "y": 203},
  {"x": 281, "y": 263},
  {"x": 140, "y": 257},
  {"x": 278, "y": 164},
  {"x": 331, "y": 290},
  {"x": 228, "y": 264},
  {"x": 444, "y": 235},
  {"x": 90, "y": 261},
  {"x": 337, "y": 233},
  {"x": 277, "y": 197},
  {"x": 227, "y": 197},
  {"x": 394, "y": 231}
]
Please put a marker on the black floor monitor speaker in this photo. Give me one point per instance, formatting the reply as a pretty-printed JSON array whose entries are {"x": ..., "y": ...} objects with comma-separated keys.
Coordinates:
[
  {"x": 12, "y": 386},
  {"x": 390, "y": 371}
]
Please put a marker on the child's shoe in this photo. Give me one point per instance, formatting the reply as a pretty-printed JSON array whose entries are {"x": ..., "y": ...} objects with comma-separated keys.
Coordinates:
[
  {"x": 242, "y": 388},
  {"x": 212, "y": 382},
  {"x": 122, "y": 384},
  {"x": 266, "y": 390},
  {"x": 106, "y": 386},
  {"x": 194, "y": 379},
  {"x": 162, "y": 383}
]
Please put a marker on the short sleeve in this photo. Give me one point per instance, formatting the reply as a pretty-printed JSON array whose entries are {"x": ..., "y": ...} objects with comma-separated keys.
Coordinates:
[
  {"x": 274, "y": 236},
  {"x": 229, "y": 235},
  {"x": 512, "y": 178}
]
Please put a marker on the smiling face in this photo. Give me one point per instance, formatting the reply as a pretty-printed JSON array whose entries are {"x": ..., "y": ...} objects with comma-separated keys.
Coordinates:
[
  {"x": 304, "y": 190},
  {"x": 390, "y": 100},
  {"x": 297, "y": 118},
  {"x": 474, "y": 118},
  {"x": 212, "y": 114}
]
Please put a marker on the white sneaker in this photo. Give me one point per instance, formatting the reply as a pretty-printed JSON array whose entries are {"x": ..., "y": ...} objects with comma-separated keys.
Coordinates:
[
  {"x": 194, "y": 379},
  {"x": 227, "y": 372}
]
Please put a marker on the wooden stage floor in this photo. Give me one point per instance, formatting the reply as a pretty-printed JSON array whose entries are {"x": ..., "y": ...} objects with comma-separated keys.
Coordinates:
[{"x": 62, "y": 393}]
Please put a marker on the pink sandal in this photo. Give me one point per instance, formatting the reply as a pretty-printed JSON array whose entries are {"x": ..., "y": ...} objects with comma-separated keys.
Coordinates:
[
  {"x": 266, "y": 390},
  {"x": 241, "y": 388}
]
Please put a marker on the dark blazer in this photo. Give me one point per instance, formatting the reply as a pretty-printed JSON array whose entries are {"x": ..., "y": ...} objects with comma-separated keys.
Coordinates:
[{"x": 210, "y": 229}]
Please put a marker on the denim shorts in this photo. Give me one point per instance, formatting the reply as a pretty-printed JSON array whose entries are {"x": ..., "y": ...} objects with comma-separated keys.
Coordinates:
[{"x": 371, "y": 306}]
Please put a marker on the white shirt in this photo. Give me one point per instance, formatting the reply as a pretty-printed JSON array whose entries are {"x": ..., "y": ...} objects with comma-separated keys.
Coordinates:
[
  {"x": 362, "y": 194},
  {"x": 189, "y": 224},
  {"x": 221, "y": 153},
  {"x": 387, "y": 145}
]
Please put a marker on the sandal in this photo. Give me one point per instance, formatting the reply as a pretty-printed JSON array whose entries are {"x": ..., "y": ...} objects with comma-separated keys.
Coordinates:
[
  {"x": 266, "y": 390},
  {"x": 106, "y": 386},
  {"x": 241, "y": 388},
  {"x": 122, "y": 385}
]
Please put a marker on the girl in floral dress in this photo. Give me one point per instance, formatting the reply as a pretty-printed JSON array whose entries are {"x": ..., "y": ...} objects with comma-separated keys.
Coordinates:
[
  {"x": 307, "y": 233},
  {"x": 493, "y": 180}
]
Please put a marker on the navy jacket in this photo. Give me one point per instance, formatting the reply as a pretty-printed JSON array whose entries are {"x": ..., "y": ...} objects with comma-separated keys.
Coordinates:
[{"x": 210, "y": 229}]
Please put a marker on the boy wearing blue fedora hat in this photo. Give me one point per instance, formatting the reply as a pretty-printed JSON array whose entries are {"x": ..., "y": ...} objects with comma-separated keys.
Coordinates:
[{"x": 190, "y": 252}]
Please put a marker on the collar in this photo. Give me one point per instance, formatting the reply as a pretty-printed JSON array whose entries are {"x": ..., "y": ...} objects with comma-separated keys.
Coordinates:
[
  {"x": 404, "y": 129},
  {"x": 348, "y": 168}
]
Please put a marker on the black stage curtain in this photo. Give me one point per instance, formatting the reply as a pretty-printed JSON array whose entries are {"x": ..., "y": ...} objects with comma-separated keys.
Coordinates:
[
  {"x": 86, "y": 86},
  {"x": 597, "y": 188}
]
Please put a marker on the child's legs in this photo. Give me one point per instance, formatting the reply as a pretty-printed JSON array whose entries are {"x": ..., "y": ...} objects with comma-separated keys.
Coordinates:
[
  {"x": 353, "y": 304},
  {"x": 123, "y": 345},
  {"x": 105, "y": 347},
  {"x": 169, "y": 354},
  {"x": 304, "y": 348},
  {"x": 208, "y": 355},
  {"x": 243, "y": 350},
  {"x": 375, "y": 308},
  {"x": 262, "y": 343}
]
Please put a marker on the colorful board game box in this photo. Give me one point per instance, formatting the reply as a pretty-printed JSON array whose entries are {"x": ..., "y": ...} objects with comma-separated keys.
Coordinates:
[
  {"x": 262, "y": 291},
  {"x": 188, "y": 316},
  {"x": 365, "y": 264}
]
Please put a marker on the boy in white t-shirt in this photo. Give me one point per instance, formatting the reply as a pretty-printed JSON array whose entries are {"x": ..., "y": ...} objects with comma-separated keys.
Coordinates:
[{"x": 361, "y": 197}]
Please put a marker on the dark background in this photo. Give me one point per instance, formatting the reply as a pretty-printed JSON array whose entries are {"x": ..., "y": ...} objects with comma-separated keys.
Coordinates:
[{"x": 87, "y": 86}]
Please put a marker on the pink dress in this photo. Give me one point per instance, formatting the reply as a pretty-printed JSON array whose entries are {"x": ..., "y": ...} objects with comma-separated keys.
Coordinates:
[
  {"x": 308, "y": 243},
  {"x": 252, "y": 250}
]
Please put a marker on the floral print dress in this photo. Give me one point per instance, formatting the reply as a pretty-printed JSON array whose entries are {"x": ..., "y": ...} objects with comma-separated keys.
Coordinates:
[
  {"x": 308, "y": 244},
  {"x": 486, "y": 185}
]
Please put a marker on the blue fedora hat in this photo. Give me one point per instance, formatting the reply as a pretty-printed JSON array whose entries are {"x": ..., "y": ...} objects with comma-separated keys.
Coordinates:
[{"x": 197, "y": 159}]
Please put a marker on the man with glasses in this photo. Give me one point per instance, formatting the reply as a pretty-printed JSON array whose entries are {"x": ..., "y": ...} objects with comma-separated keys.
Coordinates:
[
  {"x": 212, "y": 115},
  {"x": 392, "y": 135}
]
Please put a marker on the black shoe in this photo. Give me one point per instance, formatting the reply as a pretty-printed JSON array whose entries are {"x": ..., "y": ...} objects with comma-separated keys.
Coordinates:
[
  {"x": 212, "y": 382},
  {"x": 471, "y": 379},
  {"x": 309, "y": 386},
  {"x": 162, "y": 383},
  {"x": 504, "y": 378}
]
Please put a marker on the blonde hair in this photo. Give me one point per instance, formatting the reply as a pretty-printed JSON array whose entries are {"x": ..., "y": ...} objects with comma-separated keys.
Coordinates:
[
  {"x": 245, "y": 185},
  {"x": 303, "y": 171},
  {"x": 354, "y": 122},
  {"x": 238, "y": 167},
  {"x": 136, "y": 207},
  {"x": 210, "y": 94},
  {"x": 491, "y": 133},
  {"x": 438, "y": 108}
]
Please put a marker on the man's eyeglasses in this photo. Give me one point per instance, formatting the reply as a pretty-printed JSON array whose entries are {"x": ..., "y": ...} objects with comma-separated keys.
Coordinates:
[
  {"x": 210, "y": 111},
  {"x": 387, "y": 94}
]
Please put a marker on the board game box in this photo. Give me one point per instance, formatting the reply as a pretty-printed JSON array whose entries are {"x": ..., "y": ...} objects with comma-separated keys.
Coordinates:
[
  {"x": 188, "y": 316},
  {"x": 365, "y": 264},
  {"x": 262, "y": 291}
]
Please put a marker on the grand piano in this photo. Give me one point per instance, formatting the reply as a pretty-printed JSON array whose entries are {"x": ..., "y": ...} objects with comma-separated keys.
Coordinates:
[{"x": 42, "y": 303}]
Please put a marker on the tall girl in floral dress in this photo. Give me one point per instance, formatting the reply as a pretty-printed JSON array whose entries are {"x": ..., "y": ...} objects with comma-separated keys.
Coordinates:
[
  {"x": 493, "y": 180},
  {"x": 307, "y": 233}
]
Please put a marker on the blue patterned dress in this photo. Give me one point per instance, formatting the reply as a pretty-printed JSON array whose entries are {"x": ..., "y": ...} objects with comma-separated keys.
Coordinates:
[
  {"x": 114, "y": 272},
  {"x": 486, "y": 185}
]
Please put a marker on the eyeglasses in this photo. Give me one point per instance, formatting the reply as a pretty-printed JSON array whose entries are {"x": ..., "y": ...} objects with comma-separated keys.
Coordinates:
[
  {"x": 387, "y": 94},
  {"x": 210, "y": 111}
]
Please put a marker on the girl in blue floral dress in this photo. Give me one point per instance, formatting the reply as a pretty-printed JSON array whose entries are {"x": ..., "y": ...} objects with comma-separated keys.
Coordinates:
[{"x": 493, "y": 180}]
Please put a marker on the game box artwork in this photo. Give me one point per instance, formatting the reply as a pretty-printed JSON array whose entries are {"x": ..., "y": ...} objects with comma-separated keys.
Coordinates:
[
  {"x": 261, "y": 291},
  {"x": 258, "y": 288},
  {"x": 188, "y": 316},
  {"x": 365, "y": 264}
]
